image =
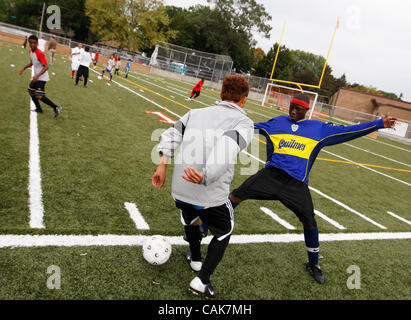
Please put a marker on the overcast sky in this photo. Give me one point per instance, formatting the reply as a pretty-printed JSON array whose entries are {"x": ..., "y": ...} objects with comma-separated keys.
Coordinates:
[{"x": 372, "y": 45}]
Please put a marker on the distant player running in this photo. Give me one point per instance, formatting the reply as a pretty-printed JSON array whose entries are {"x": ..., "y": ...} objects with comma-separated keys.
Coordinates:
[
  {"x": 292, "y": 147},
  {"x": 197, "y": 89},
  {"x": 110, "y": 65},
  {"x": 75, "y": 58},
  {"x": 96, "y": 57},
  {"x": 118, "y": 63},
  {"x": 128, "y": 66},
  {"x": 40, "y": 77},
  {"x": 83, "y": 70}
]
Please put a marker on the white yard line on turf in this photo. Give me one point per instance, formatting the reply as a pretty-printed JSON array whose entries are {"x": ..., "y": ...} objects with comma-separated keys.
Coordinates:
[
  {"x": 347, "y": 207},
  {"x": 399, "y": 218},
  {"x": 387, "y": 144},
  {"x": 24, "y": 241},
  {"x": 378, "y": 155},
  {"x": 360, "y": 165},
  {"x": 136, "y": 216},
  {"x": 277, "y": 218},
  {"x": 261, "y": 161},
  {"x": 34, "y": 187},
  {"x": 334, "y": 223}
]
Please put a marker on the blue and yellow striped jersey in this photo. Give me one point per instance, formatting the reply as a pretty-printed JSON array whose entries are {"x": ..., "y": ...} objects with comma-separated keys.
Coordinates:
[{"x": 294, "y": 146}]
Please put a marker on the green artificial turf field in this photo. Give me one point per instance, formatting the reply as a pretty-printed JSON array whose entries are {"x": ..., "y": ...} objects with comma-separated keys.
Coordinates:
[{"x": 96, "y": 156}]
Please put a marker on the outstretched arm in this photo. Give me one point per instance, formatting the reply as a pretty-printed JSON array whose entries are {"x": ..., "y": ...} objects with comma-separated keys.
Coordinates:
[
  {"x": 25, "y": 67},
  {"x": 331, "y": 134}
]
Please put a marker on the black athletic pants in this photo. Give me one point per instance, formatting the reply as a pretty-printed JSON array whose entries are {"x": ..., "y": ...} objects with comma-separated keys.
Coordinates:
[{"x": 82, "y": 71}]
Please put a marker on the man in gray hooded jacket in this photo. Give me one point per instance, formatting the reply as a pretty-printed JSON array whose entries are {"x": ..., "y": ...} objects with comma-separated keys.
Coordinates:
[{"x": 209, "y": 140}]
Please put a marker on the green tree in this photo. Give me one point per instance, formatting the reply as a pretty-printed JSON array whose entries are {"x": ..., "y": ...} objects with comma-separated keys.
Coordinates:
[
  {"x": 136, "y": 24},
  {"x": 27, "y": 13}
]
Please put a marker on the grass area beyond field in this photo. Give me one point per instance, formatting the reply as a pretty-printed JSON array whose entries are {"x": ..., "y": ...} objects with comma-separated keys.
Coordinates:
[{"x": 97, "y": 155}]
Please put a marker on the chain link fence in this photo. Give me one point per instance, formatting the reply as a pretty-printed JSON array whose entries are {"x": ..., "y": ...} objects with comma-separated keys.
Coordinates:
[{"x": 192, "y": 63}]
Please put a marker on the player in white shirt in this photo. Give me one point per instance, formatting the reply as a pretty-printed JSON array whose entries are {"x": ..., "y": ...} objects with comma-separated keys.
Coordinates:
[
  {"x": 40, "y": 76},
  {"x": 75, "y": 58},
  {"x": 42, "y": 44},
  {"x": 83, "y": 70},
  {"x": 110, "y": 66},
  {"x": 118, "y": 63}
]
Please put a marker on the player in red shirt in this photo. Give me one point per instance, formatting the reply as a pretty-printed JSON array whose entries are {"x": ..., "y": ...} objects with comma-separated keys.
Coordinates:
[
  {"x": 197, "y": 89},
  {"x": 37, "y": 85}
]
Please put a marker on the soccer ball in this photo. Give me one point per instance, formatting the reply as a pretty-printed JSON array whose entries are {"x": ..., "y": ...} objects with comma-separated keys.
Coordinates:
[{"x": 156, "y": 250}]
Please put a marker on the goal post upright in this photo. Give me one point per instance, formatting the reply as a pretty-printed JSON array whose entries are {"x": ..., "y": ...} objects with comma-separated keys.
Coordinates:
[
  {"x": 318, "y": 86},
  {"x": 300, "y": 86}
]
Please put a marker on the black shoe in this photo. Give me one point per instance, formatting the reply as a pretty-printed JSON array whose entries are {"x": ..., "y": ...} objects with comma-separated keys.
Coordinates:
[
  {"x": 316, "y": 273},
  {"x": 38, "y": 110},
  {"x": 197, "y": 287},
  {"x": 194, "y": 265},
  {"x": 57, "y": 111}
]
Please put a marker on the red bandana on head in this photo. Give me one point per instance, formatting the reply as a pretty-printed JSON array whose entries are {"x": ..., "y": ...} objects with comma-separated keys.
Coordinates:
[{"x": 300, "y": 103}]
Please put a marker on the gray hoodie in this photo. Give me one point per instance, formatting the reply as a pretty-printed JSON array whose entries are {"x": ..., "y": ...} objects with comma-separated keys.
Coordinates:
[{"x": 209, "y": 140}]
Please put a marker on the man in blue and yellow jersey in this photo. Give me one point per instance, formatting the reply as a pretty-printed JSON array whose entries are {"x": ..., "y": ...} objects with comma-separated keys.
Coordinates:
[{"x": 293, "y": 144}]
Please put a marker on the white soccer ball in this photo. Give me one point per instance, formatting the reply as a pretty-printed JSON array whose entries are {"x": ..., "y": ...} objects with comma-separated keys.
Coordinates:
[
  {"x": 156, "y": 250},
  {"x": 99, "y": 77}
]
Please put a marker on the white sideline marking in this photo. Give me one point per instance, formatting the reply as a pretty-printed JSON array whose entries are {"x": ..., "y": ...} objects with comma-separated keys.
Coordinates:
[
  {"x": 277, "y": 218},
  {"x": 387, "y": 144},
  {"x": 16, "y": 241},
  {"x": 378, "y": 155},
  {"x": 136, "y": 216},
  {"x": 334, "y": 223},
  {"x": 399, "y": 218},
  {"x": 347, "y": 207},
  {"x": 259, "y": 160},
  {"x": 360, "y": 165},
  {"x": 35, "y": 192}
]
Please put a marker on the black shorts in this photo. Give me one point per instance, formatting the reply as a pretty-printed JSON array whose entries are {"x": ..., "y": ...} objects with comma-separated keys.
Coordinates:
[
  {"x": 38, "y": 88},
  {"x": 272, "y": 183},
  {"x": 220, "y": 220},
  {"x": 82, "y": 71},
  {"x": 195, "y": 93}
]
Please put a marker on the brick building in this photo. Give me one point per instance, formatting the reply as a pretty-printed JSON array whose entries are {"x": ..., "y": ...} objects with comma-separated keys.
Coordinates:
[{"x": 371, "y": 103}]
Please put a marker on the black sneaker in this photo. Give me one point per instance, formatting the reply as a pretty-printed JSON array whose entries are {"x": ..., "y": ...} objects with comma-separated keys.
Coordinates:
[
  {"x": 194, "y": 265},
  {"x": 57, "y": 111},
  {"x": 38, "y": 110},
  {"x": 197, "y": 287},
  {"x": 316, "y": 273}
]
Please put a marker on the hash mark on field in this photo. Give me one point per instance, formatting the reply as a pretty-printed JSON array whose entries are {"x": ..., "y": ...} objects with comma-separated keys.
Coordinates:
[
  {"x": 277, "y": 218},
  {"x": 136, "y": 216},
  {"x": 334, "y": 223},
  {"x": 399, "y": 218}
]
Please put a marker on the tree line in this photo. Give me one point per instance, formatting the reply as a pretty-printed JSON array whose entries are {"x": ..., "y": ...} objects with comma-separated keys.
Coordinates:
[{"x": 225, "y": 27}]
